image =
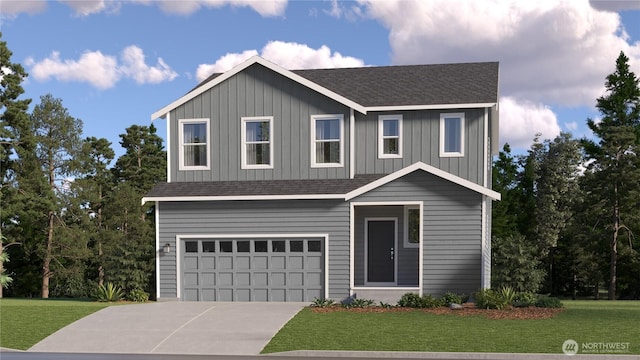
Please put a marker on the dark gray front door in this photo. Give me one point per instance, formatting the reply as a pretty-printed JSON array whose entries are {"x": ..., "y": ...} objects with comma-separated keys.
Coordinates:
[{"x": 381, "y": 243}]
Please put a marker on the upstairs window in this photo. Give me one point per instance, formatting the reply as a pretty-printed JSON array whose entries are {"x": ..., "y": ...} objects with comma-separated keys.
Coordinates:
[
  {"x": 194, "y": 144},
  {"x": 390, "y": 136},
  {"x": 327, "y": 140},
  {"x": 257, "y": 144},
  {"x": 452, "y": 135}
]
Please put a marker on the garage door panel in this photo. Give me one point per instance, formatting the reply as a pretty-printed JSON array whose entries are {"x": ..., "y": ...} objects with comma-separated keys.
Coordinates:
[
  {"x": 261, "y": 278},
  {"x": 243, "y": 278},
  {"x": 208, "y": 279},
  {"x": 252, "y": 269},
  {"x": 243, "y": 262},
  {"x": 296, "y": 279},
  {"x": 225, "y": 262},
  {"x": 208, "y": 295},
  {"x": 208, "y": 262}
]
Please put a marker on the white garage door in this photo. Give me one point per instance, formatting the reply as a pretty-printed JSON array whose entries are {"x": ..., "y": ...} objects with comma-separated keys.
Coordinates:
[{"x": 274, "y": 269}]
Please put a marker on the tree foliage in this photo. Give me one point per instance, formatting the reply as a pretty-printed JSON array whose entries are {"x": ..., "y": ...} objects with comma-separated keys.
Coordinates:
[
  {"x": 615, "y": 184},
  {"x": 577, "y": 201}
]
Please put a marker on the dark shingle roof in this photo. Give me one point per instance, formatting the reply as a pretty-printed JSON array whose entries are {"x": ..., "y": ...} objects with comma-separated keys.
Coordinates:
[
  {"x": 260, "y": 187},
  {"x": 439, "y": 84}
]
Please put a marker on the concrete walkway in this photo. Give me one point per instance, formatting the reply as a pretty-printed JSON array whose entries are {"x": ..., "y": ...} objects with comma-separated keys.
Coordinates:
[{"x": 209, "y": 328}]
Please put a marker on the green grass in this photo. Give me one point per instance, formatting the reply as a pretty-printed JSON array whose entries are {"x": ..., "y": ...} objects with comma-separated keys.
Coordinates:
[
  {"x": 24, "y": 322},
  {"x": 583, "y": 321}
]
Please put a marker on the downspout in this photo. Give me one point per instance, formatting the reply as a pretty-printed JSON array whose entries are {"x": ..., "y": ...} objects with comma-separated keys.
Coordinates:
[
  {"x": 352, "y": 144},
  {"x": 168, "y": 147},
  {"x": 157, "y": 221}
]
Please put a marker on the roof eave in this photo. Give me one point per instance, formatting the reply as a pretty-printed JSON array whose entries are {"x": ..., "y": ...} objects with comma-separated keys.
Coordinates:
[{"x": 162, "y": 113}]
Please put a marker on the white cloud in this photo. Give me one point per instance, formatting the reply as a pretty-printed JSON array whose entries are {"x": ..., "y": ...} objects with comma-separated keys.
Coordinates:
[
  {"x": 87, "y": 7},
  {"x": 223, "y": 64},
  {"x": 264, "y": 8},
  {"x": 286, "y": 54},
  {"x": 92, "y": 67},
  {"x": 100, "y": 70},
  {"x": 134, "y": 67},
  {"x": 520, "y": 121},
  {"x": 571, "y": 126},
  {"x": 11, "y": 8},
  {"x": 554, "y": 52}
]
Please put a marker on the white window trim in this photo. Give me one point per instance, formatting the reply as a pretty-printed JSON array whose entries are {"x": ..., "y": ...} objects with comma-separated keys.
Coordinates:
[
  {"x": 314, "y": 164},
  {"x": 243, "y": 150},
  {"x": 460, "y": 153},
  {"x": 406, "y": 242},
  {"x": 181, "y": 123},
  {"x": 381, "y": 136}
]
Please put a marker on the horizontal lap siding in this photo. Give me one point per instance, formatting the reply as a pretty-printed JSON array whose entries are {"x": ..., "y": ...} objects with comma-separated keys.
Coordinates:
[
  {"x": 258, "y": 217},
  {"x": 451, "y": 229}
]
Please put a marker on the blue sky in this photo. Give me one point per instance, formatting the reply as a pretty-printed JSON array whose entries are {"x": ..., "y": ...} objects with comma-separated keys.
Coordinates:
[{"x": 114, "y": 63}]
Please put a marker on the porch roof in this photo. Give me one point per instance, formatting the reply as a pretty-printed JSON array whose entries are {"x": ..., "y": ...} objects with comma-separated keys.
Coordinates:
[
  {"x": 258, "y": 189},
  {"x": 345, "y": 189}
]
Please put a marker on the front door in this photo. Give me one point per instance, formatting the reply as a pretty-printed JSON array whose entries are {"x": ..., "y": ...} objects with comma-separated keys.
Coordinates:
[{"x": 381, "y": 250}]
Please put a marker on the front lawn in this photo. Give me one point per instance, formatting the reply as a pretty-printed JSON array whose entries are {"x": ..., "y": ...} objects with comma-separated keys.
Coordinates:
[
  {"x": 24, "y": 322},
  {"x": 583, "y": 321}
]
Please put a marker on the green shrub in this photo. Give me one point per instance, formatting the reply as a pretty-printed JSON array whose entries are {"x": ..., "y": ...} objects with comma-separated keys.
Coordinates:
[
  {"x": 429, "y": 301},
  {"x": 411, "y": 300},
  {"x": 452, "y": 298},
  {"x": 548, "y": 302},
  {"x": 507, "y": 294},
  {"x": 524, "y": 299},
  {"x": 414, "y": 300},
  {"x": 322, "y": 302},
  {"x": 385, "y": 305},
  {"x": 138, "y": 295},
  {"x": 359, "y": 303},
  {"x": 108, "y": 293},
  {"x": 490, "y": 299}
]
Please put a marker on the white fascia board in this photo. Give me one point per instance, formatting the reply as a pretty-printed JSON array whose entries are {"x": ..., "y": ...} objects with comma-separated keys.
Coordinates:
[
  {"x": 258, "y": 60},
  {"x": 430, "y": 169},
  {"x": 429, "y": 107},
  {"x": 242, "y": 197}
]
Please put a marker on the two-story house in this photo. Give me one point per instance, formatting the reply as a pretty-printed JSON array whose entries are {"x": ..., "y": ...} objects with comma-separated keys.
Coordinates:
[{"x": 290, "y": 185}]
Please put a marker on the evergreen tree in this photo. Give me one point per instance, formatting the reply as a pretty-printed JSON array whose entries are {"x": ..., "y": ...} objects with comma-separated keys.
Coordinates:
[
  {"x": 129, "y": 258},
  {"x": 615, "y": 189},
  {"x": 504, "y": 213},
  {"x": 58, "y": 148},
  {"x": 13, "y": 120}
]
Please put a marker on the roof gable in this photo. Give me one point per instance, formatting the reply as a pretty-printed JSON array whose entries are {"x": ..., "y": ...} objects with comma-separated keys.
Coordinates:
[
  {"x": 429, "y": 169},
  {"x": 377, "y": 88},
  {"x": 215, "y": 80}
]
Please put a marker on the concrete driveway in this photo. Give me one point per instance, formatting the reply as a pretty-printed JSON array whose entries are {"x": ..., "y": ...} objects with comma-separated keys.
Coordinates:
[{"x": 210, "y": 328}]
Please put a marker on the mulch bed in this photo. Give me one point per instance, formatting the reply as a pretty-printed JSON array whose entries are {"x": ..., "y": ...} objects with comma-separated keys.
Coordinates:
[{"x": 467, "y": 310}]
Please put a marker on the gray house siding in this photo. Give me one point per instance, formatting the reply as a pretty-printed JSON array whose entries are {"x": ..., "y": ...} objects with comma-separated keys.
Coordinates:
[
  {"x": 257, "y": 91},
  {"x": 258, "y": 217},
  {"x": 407, "y": 257},
  {"x": 421, "y": 142},
  {"x": 452, "y": 224}
]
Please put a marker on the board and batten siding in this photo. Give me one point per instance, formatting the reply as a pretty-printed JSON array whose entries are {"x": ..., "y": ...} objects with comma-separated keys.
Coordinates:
[
  {"x": 421, "y": 142},
  {"x": 257, "y": 91},
  {"x": 258, "y": 217},
  {"x": 452, "y": 235}
]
